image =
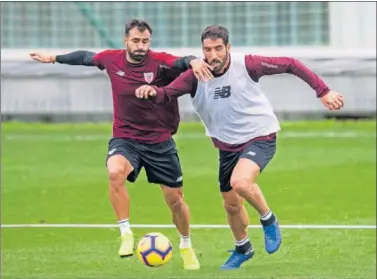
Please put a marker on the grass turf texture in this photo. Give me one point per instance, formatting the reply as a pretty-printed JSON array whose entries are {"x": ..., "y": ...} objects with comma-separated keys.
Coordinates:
[{"x": 56, "y": 174}]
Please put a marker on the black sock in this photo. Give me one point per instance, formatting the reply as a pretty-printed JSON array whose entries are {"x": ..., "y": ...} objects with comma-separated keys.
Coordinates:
[
  {"x": 269, "y": 221},
  {"x": 243, "y": 246}
]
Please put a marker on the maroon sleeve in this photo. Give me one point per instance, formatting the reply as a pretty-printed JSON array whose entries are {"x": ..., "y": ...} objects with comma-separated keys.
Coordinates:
[
  {"x": 186, "y": 83},
  {"x": 258, "y": 66},
  {"x": 101, "y": 58},
  {"x": 165, "y": 58}
]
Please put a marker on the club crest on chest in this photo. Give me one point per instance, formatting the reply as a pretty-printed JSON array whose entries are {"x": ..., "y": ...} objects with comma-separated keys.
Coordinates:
[{"x": 148, "y": 77}]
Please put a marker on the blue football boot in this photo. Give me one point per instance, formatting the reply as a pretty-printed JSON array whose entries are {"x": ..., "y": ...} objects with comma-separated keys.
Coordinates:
[
  {"x": 272, "y": 236},
  {"x": 236, "y": 259}
]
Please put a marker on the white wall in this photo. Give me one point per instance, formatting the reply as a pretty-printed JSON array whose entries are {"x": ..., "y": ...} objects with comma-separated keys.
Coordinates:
[{"x": 353, "y": 24}]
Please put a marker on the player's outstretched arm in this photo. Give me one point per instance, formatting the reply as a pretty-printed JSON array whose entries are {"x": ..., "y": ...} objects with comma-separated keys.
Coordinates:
[
  {"x": 184, "y": 84},
  {"x": 258, "y": 66},
  {"x": 200, "y": 68},
  {"x": 80, "y": 57}
]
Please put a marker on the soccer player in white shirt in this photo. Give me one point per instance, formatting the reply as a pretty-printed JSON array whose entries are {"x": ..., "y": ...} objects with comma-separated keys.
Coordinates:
[{"x": 241, "y": 122}]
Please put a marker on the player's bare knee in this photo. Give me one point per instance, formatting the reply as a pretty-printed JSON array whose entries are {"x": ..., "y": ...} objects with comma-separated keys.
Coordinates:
[
  {"x": 232, "y": 208},
  {"x": 239, "y": 184},
  {"x": 118, "y": 169},
  {"x": 117, "y": 175}
]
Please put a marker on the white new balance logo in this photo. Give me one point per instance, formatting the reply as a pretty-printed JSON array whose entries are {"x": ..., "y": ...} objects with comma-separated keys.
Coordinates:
[
  {"x": 179, "y": 179},
  {"x": 120, "y": 73},
  {"x": 251, "y": 153}
]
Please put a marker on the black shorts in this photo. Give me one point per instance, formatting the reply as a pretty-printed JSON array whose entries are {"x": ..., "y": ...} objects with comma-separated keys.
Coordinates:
[
  {"x": 160, "y": 160},
  {"x": 261, "y": 152}
]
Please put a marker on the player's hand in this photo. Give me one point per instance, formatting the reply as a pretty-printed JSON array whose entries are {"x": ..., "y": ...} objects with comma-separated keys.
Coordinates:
[
  {"x": 145, "y": 91},
  {"x": 201, "y": 69},
  {"x": 43, "y": 58},
  {"x": 333, "y": 100}
]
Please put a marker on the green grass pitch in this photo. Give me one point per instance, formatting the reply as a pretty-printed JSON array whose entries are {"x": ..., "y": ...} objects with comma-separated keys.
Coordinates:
[{"x": 323, "y": 173}]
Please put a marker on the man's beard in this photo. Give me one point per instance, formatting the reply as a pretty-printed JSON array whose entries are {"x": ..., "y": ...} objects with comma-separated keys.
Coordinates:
[
  {"x": 218, "y": 65},
  {"x": 137, "y": 55}
]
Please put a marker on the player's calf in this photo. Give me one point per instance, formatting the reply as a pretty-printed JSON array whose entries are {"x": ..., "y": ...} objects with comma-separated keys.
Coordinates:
[
  {"x": 272, "y": 234},
  {"x": 181, "y": 218},
  {"x": 253, "y": 195},
  {"x": 238, "y": 221},
  {"x": 180, "y": 213},
  {"x": 236, "y": 215},
  {"x": 118, "y": 169}
]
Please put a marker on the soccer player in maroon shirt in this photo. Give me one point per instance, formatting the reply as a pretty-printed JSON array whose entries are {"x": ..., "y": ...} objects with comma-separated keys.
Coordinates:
[
  {"x": 241, "y": 122},
  {"x": 142, "y": 131}
]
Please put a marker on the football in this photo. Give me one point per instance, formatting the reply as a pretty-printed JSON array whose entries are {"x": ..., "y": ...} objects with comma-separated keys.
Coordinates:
[{"x": 154, "y": 250}]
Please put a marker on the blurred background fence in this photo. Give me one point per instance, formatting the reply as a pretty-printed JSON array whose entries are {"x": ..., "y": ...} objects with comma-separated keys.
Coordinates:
[{"x": 336, "y": 39}]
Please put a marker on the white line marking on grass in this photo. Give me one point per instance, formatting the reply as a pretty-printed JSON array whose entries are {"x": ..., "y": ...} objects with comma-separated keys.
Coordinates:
[{"x": 168, "y": 226}]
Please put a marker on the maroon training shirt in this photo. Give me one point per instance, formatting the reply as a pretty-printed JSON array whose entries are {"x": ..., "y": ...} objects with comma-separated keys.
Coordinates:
[
  {"x": 135, "y": 118},
  {"x": 257, "y": 66}
]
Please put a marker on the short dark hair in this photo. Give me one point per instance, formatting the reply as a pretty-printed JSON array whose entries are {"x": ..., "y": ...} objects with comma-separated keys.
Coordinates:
[
  {"x": 216, "y": 32},
  {"x": 141, "y": 25}
]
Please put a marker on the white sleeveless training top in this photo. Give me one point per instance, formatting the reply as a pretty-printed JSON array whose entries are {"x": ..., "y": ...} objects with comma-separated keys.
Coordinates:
[{"x": 232, "y": 107}]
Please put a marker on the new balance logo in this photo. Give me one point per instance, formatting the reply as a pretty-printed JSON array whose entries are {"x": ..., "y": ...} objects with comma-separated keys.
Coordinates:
[
  {"x": 251, "y": 153},
  {"x": 120, "y": 73},
  {"x": 222, "y": 92}
]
